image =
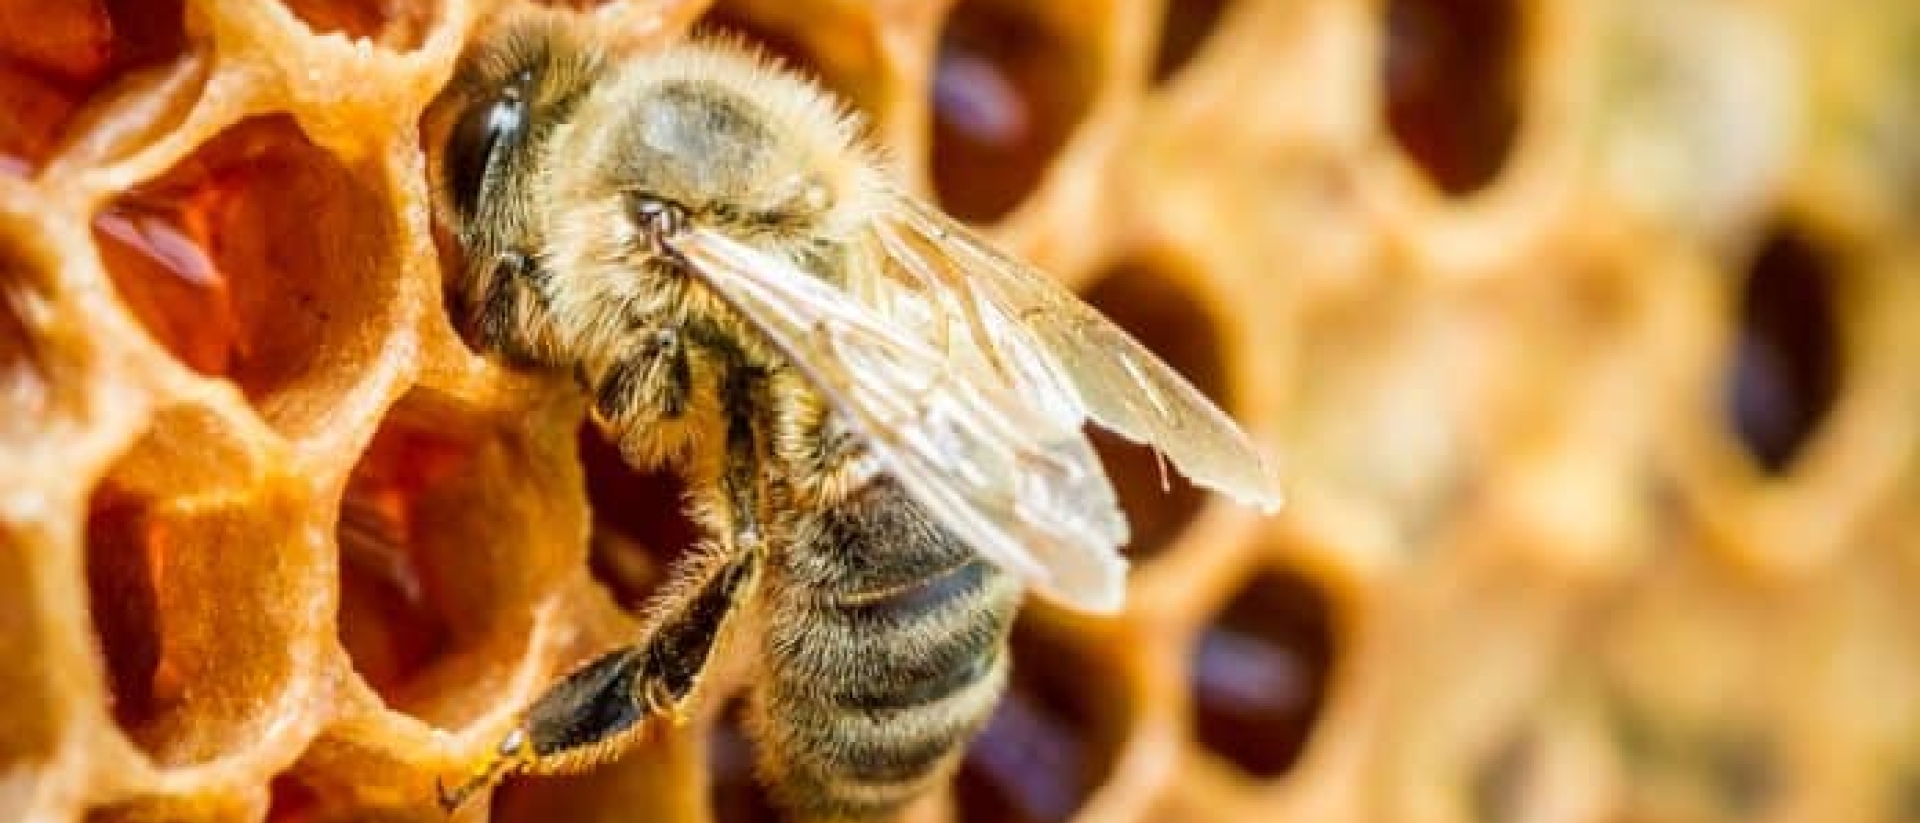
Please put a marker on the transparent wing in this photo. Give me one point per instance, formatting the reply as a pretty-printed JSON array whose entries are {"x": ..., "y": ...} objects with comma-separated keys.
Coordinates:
[
  {"x": 1042, "y": 335},
  {"x": 1019, "y": 484}
]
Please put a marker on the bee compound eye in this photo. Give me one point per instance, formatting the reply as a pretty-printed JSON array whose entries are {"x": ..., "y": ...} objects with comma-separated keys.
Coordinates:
[{"x": 475, "y": 141}]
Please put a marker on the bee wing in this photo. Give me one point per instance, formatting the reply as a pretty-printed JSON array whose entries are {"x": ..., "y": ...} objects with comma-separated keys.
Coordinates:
[
  {"x": 1030, "y": 322},
  {"x": 1020, "y": 485}
]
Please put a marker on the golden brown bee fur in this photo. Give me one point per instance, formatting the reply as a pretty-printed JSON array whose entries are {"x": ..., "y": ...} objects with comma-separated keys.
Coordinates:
[{"x": 881, "y": 637}]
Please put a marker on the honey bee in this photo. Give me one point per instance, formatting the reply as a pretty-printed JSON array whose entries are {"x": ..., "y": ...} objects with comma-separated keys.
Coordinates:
[{"x": 878, "y": 414}]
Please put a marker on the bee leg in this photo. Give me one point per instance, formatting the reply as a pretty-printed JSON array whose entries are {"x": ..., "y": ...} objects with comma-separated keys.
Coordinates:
[
  {"x": 591, "y": 715},
  {"x": 740, "y": 478},
  {"x": 656, "y": 376},
  {"x": 511, "y": 315}
]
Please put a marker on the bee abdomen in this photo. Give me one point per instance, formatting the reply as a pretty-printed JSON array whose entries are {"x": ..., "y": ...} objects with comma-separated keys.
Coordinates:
[{"x": 872, "y": 694}]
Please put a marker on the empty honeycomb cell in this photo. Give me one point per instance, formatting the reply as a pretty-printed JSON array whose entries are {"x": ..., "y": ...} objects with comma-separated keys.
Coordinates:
[
  {"x": 260, "y": 258},
  {"x": 1453, "y": 86},
  {"x": 1184, "y": 26},
  {"x": 1259, "y": 673},
  {"x": 1009, "y": 86},
  {"x": 1786, "y": 360},
  {"x": 198, "y": 606},
  {"x": 1154, "y": 307},
  {"x": 53, "y": 57},
  {"x": 640, "y": 525},
  {"x": 1052, "y": 740},
  {"x": 392, "y": 24},
  {"x": 440, "y": 537}
]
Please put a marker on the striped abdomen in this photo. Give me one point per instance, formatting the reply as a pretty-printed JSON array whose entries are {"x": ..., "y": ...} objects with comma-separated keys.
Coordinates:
[{"x": 885, "y": 651}]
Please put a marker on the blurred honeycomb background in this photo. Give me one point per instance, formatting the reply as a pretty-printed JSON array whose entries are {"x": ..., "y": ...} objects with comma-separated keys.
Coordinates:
[{"x": 1587, "y": 332}]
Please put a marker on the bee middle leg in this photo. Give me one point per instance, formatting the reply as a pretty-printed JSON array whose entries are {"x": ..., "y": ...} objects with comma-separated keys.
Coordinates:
[
  {"x": 591, "y": 715},
  {"x": 653, "y": 377}
]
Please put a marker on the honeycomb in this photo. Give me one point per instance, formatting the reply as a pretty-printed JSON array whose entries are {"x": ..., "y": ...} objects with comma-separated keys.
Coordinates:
[{"x": 1585, "y": 331}]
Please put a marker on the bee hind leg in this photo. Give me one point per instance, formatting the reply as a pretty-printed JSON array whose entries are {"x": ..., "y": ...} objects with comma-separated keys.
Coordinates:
[{"x": 592, "y": 715}]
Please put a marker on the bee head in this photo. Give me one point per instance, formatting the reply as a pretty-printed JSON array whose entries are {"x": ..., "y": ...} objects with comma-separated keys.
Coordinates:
[
  {"x": 720, "y": 160},
  {"x": 511, "y": 90}
]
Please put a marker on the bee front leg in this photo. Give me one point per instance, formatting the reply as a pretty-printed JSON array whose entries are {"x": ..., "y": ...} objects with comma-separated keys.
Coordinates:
[
  {"x": 510, "y": 312},
  {"x": 593, "y": 714}
]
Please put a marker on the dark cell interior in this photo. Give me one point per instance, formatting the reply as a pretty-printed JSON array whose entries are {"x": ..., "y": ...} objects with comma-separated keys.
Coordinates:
[
  {"x": 389, "y": 622},
  {"x": 736, "y": 795},
  {"x": 1260, "y": 672},
  {"x": 30, "y": 733},
  {"x": 1007, "y": 92},
  {"x": 158, "y": 259},
  {"x": 1051, "y": 741},
  {"x": 1153, "y": 308},
  {"x": 1184, "y": 28},
  {"x": 123, "y": 551},
  {"x": 292, "y": 801},
  {"x": 392, "y": 24},
  {"x": 640, "y": 525},
  {"x": 1453, "y": 86},
  {"x": 249, "y": 258},
  {"x": 1786, "y": 366},
  {"x": 55, "y": 56}
]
